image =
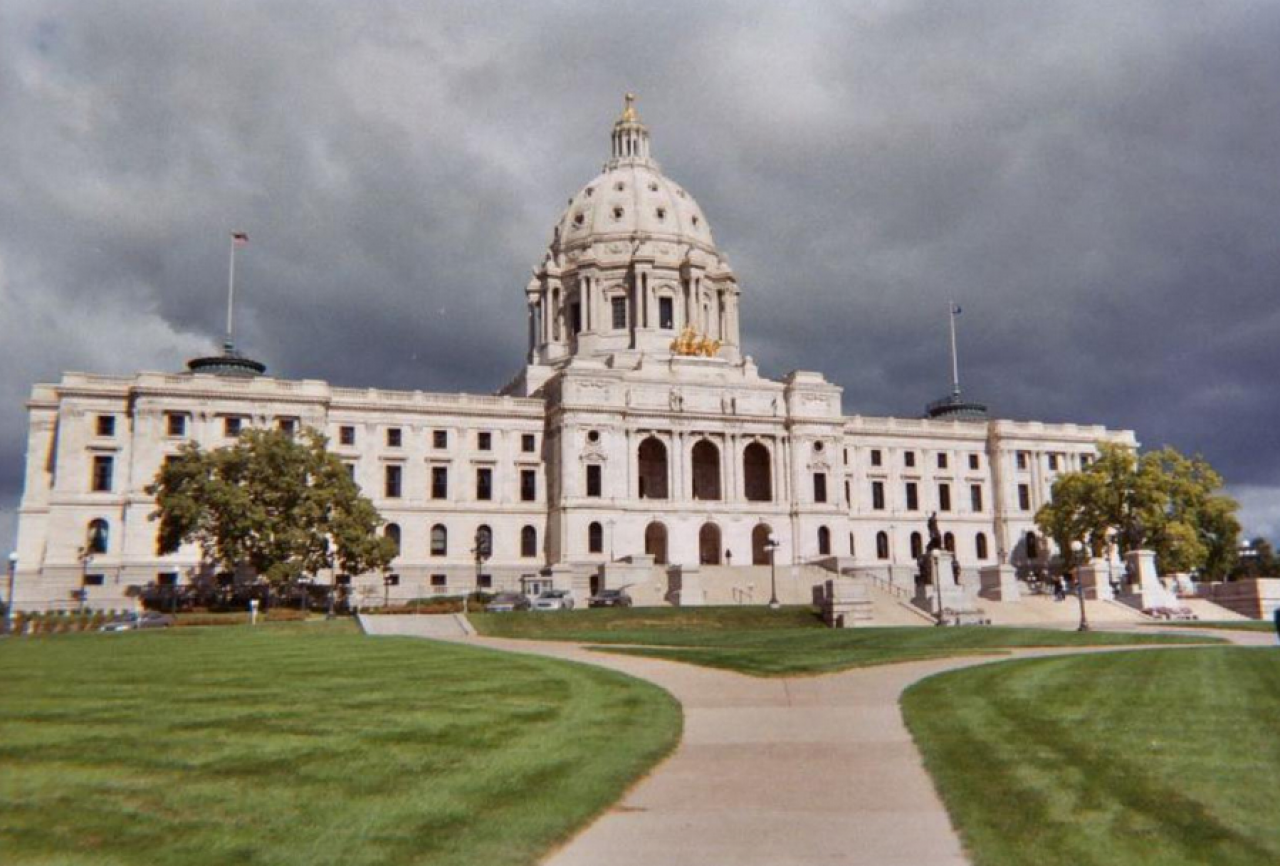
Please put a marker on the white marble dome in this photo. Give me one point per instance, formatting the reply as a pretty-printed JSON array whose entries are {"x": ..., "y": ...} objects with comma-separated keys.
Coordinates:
[{"x": 632, "y": 199}]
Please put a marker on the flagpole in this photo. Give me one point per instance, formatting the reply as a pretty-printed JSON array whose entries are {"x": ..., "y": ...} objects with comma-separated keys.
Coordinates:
[
  {"x": 231, "y": 292},
  {"x": 955, "y": 364}
]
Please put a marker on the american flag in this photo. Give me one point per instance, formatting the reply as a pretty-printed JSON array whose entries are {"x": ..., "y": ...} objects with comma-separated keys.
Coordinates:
[{"x": 239, "y": 238}]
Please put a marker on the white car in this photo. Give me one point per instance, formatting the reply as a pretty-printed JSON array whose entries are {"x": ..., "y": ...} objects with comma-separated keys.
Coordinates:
[{"x": 554, "y": 599}]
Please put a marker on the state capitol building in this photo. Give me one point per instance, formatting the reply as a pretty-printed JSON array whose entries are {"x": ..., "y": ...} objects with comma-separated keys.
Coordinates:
[{"x": 639, "y": 446}]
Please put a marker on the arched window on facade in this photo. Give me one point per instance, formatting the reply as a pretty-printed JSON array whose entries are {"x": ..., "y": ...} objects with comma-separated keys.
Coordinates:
[
  {"x": 917, "y": 545},
  {"x": 484, "y": 543},
  {"x": 824, "y": 541},
  {"x": 393, "y": 532},
  {"x": 595, "y": 538},
  {"x": 760, "y": 544},
  {"x": 709, "y": 544},
  {"x": 528, "y": 542},
  {"x": 655, "y": 542},
  {"x": 706, "y": 470},
  {"x": 882, "y": 545},
  {"x": 97, "y": 538},
  {"x": 1033, "y": 546},
  {"x": 949, "y": 542},
  {"x": 439, "y": 540},
  {"x": 652, "y": 459},
  {"x": 980, "y": 545},
  {"x": 757, "y": 473}
]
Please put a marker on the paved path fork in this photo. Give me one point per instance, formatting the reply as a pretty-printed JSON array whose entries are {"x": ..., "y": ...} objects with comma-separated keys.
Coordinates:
[{"x": 773, "y": 771}]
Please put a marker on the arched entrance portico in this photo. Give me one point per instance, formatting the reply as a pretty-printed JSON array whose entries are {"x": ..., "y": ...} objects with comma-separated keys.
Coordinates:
[
  {"x": 760, "y": 544},
  {"x": 652, "y": 464},
  {"x": 655, "y": 542},
  {"x": 709, "y": 544}
]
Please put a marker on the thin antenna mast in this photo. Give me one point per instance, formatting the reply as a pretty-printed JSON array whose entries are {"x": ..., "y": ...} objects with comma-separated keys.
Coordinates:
[
  {"x": 955, "y": 364},
  {"x": 237, "y": 239}
]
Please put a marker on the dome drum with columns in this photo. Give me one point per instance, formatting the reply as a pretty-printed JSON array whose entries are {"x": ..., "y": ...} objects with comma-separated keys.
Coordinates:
[{"x": 632, "y": 267}]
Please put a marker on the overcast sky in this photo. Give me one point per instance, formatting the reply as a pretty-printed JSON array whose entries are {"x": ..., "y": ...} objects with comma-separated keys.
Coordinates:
[{"x": 1094, "y": 182}]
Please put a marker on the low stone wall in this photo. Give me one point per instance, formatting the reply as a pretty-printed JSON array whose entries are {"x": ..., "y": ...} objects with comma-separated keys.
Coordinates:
[{"x": 1256, "y": 598}]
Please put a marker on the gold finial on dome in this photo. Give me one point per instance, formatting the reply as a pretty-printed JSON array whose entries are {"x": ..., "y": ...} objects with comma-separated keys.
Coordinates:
[{"x": 629, "y": 111}]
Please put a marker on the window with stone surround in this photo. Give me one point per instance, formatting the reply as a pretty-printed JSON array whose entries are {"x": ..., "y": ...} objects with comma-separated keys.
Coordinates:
[
  {"x": 666, "y": 314},
  {"x": 439, "y": 482},
  {"x": 103, "y": 469},
  {"x": 392, "y": 477},
  {"x": 594, "y": 480},
  {"x": 346, "y": 435},
  {"x": 618, "y": 307},
  {"x": 484, "y": 484},
  {"x": 106, "y": 425}
]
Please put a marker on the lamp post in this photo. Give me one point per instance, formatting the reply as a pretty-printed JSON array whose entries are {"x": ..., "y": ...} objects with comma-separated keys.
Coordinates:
[
  {"x": 482, "y": 552},
  {"x": 771, "y": 545},
  {"x": 1078, "y": 549},
  {"x": 8, "y": 611}
]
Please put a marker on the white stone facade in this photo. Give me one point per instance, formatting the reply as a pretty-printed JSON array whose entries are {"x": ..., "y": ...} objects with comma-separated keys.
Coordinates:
[{"x": 617, "y": 442}]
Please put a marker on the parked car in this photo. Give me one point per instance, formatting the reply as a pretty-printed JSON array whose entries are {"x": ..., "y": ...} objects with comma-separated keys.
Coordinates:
[
  {"x": 506, "y": 602},
  {"x": 133, "y": 622},
  {"x": 554, "y": 599},
  {"x": 610, "y": 598}
]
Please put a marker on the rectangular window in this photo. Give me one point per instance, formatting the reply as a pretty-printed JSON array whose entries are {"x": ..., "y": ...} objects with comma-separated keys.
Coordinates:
[
  {"x": 175, "y": 424},
  {"x": 1024, "y": 497},
  {"x": 666, "y": 314},
  {"x": 103, "y": 469},
  {"x": 528, "y": 443},
  {"x": 484, "y": 484},
  {"x": 575, "y": 318},
  {"x": 346, "y": 435},
  {"x": 593, "y": 479},
  {"x": 819, "y": 487},
  {"x": 619, "y": 308},
  {"x": 106, "y": 425},
  {"x": 1053, "y": 462},
  {"x": 942, "y": 460},
  {"x": 484, "y": 440},
  {"x": 944, "y": 497},
  {"x": 848, "y": 497},
  {"x": 528, "y": 485},
  {"x": 973, "y": 461},
  {"x": 876, "y": 457},
  {"x": 439, "y": 581},
  {"x": 394, "y": 476},
  {"x": 877, "y": 495},
  {"x": 287, "y": 426},
  {"x": 392, "y": 580},
  {"x": 909, "y": 459},
  {"x": 1022, "y": 460},
  {"x": 484, "y": 581},
  {"x": 439, "y": 438},
  {"x": 167, "y": 578},
  {"x": 975, "y": 496},
  {"x": 913, "y": 497},
  {"x": 231, "y": 427},
  {"x": 394, "y": 437},
  {"x": 439, "y": 482},
  {"x": 95, "y": 579},
  {"x": 351, "y": 471}
]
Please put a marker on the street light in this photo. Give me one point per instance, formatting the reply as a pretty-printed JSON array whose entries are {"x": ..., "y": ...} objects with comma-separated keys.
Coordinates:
[
  {"x": 771, "y": 544},
  {"x": 13, "y": 570},
  {"x": 1078, "y": 548}
]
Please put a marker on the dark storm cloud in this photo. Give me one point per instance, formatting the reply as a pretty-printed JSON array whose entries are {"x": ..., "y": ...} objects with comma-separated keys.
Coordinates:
[{"x": 1094, "y": 182}]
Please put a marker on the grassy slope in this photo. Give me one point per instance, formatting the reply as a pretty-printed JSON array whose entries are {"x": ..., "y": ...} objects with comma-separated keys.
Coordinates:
[
  {"x": 1131, "y": 758},
  {"x": 307, "y": 743},
  {"x": 1227, "y": 625},
  {"x": 792, "y": 641}
]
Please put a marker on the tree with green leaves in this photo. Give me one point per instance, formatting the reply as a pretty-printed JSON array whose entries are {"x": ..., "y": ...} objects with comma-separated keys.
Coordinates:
[
  {"x": 1160, "y": 500},
  {"x": 282, "y": 506}
]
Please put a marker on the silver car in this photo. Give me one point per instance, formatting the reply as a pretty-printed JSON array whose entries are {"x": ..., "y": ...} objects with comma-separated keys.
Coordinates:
[{"x": 554, "y": 599}]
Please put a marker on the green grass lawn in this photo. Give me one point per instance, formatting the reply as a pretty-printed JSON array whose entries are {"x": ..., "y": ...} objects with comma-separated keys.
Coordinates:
[
  {"x": 1165, "y": 758},
  {"x": 789, "y": 642},
  {"x": 1226, "y": 624},
  {"x": 308, "y": 743}
]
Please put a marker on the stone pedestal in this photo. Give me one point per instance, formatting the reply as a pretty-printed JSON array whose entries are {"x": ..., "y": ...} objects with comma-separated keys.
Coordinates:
[
  {"x": 1000, "y": 583},
  {"x": 957, "y": 601},
  {"x": 846, "y": 603},
  {"x": 685, "y": 583},
  {"x": 1146, "y": 592},
  {"x": 1095, "y": 577}
]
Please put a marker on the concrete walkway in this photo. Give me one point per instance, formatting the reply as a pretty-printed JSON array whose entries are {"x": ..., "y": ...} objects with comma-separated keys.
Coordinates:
[{"x": 806, "y": 770}]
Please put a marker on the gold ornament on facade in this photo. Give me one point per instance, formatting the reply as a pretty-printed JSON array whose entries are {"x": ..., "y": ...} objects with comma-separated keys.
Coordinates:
[{"x": 692, "y": 343}]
